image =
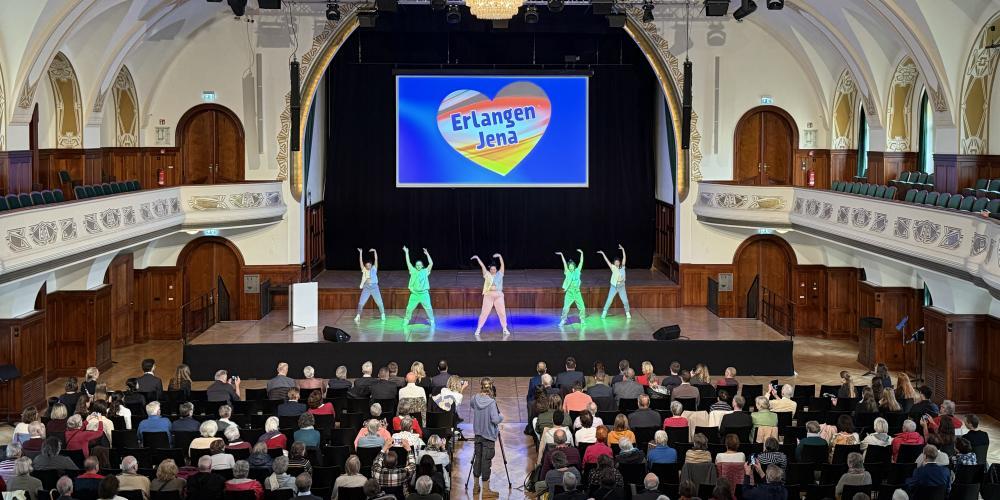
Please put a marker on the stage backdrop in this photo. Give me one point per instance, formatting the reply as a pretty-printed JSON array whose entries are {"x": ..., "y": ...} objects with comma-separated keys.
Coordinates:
[{"x": 364, "y": 208}]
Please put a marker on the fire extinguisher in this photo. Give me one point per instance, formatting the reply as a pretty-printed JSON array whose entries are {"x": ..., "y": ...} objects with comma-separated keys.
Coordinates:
[
  {"x": 812, "y": 177},
  {"x": 161, "y": 177}
]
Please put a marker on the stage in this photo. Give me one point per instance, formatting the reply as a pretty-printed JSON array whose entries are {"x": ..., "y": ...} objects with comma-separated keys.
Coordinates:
[
  {"x": 253, "y": 348},
  {"x": 523, "y": 289}
]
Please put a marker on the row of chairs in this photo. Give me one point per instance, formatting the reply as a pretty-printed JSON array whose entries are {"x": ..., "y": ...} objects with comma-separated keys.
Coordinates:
[
  {"x": 913, "y": 180},
  {"x": 33, "y": 199},
  {"x": 108, "y": 188},
  {"x": 865, "y": 189},
  {"x": 990, "y": 188},
  {"x": 952, "y": 201}
]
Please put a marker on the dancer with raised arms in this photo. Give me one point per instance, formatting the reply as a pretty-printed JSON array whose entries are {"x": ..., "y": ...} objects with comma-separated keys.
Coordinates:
[
  {"x": 420, "y": 287},
  {"x": 617, "y": 282},
  {"x": 492, "y": 293},
  {"x": 571, "y": 284},
  {"x": 369, "y": 284}
]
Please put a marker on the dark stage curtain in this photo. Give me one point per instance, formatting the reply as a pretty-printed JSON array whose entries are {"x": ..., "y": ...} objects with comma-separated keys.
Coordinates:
[{"x": 365, "y": 209}]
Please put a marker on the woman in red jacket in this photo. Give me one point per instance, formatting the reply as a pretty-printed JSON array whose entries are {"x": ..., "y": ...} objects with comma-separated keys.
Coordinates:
[{"x": 78, "y": 438}]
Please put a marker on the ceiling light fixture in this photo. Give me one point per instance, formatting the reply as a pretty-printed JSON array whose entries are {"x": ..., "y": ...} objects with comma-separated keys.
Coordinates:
[
  {"x": 494, "y": 9},
  {"x": 556, "y": 5},
  {"x": 332, "y": 11},
  {"x": 746, "y": 8},
  {"x": 775, "y": 4}
]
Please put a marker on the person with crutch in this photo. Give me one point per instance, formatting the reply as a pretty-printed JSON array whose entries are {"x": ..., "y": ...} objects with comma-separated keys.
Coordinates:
[{"x": 486, "y": 420}]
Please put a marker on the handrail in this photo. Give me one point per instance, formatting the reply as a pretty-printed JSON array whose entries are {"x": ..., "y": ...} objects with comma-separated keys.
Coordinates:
[
  {"x": 197, "y": 315},
  {"x": 777, "y": 312}
]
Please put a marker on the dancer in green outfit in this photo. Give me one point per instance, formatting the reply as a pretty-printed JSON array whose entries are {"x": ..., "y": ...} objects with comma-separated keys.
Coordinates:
[
  {"x": 571, "y": 284},
  {"x": 420, "y": 287}
]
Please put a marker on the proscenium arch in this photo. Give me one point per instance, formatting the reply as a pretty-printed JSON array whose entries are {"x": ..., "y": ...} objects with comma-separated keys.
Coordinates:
[{"x": 651, "y": 45}]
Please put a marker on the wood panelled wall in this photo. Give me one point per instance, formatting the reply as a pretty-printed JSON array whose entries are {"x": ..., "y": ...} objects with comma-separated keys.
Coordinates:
[
  {"x": 885, "y": 344},
  {"x": 86, "y": 166},
  {"x": 955, "y": 357},
  {"x": 953, "y": 173},
  {"x": 315, "y": 240},
  {"x": 885, "y": 166},
  {"x": 817, "y": 160},
  {"x": 843, "y": 164},
  {"x": 22, "y": 343},
  {"x": 664, "y": 253},
  {"x": 79, "y": 330},
  {"x": 694, "y": 287}
]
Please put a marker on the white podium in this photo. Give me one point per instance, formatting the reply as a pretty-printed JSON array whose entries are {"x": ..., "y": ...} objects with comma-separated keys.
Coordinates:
[{"x": 303, "y": 305}]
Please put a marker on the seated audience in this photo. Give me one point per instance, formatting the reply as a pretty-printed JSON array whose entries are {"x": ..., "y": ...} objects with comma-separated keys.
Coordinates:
[
  {"x": 547, "y": 434},
  {"x": 340, "y": 381},
  {"x": 868, "y": 404},
  {"x": 351, "y": 478},
  {"x": 428, "y": 470},
  {"x": 64, "y": 487},
  {"x": 576, "y": 400},
  {"x": 942, "y": 436},
  {"x": 592, "y": 410},
  {"x": 412, "y": 389},
  {"x": 976, "y": 437},
  {"x": 280, "y": 478},
  {"x": 845, "y": 434},
  {"x": 629, "y": 454},
  {"x": 729, "y": 378},
  {"x": 732, "y": 452},
  {"x": 644, "y": 416},
  {"x": 277, "y": 387},
  {"x": 722, "y": 402},
  {"x": 554, "y": 477},
  {"x": 373, "y": 435},
  {"x": 291, "y": 407},
  {"x": 422, "y": 489},
  {"x": 738, "y": 419},
  {"x": 148, "y": 382},
  {"x": 846, "y": 389},
  {"x": 661, "y": 453},
  {"x": 153, "y": 421},
  {"x": 947, "y": 410},
  {"x": 303, "y": 486},
  {"x": 647, "y": 374},
  {"x": 570, "y": 489},
  {"x": 599, "y": 448},
  {"x": 224, "y": 422},
  {"x": 233, "y": 439},
  {"x": 879, "y": 435},
  {"x": 362, "y": 385},
  {"x": 698, "y": 454},
  {"x": 184, "y": 422},
  {"x": 888, "y": 403},
  {"x": 297, "y": 460},
  {"x": 560, "y": 444},
  {"x": 763, "y": 417},
  {"x": 812, "y": 438},
  {"x": 50, "y": 459},
  {"x": 205, "y": 484},
  {"x": 700, "y": 376},
  {"x": 923, "y": 405},
  {"x": 317, "y": 406},
  {"x": 13, "y": 452},
  {"x": 909, "y": 435},
  {"x": 599, "y": 386},
  {"x": 273, "y": 437},
  {"x": 650, "y": 488},
  {"x": 676, "y": 419},
  {"x": 130, "y": 479},
  {"x": 240, "y": 481},
  {"x": 783, "y": 402},
  {"x": 620, "y": 431},
  {"x": 36, "y": 436},
  {"x": 307, "y": 433},
  {"x": 963, "y": 453},
  {"x": 546, "y": 417},
  {"x": 685, "y": 390},
  {"x": 451, "y": 394},
  {"x": 605, "y": 473},
  {"x": 406, "y": 432},
  {"x": 586, "y": 433},
  {"x": 69, "y": 397},
  {"x": 90, "y": 479},
  {"x": 23, "y": 480},
  {"x": 310, "y": 381},
  {"x": 224, "y": 388},
  {"x": 571, "y": 376},
  {"x": 437, "y": 449},
  {"x": 772, "y": 489},
  {"x": 57, "y": 419},
  {"x": 108, "y": 489},
  {"x": 373, "y": 491},
  {"x": 388, "y": 472},
  {"x": 166, "y": 477},
  {"x": 220, "y": 459},
  {"x": 207, "y": 429},
  {"x": 180, "y": 382},
  {"x": 259, "y": 457},
  {"x": 771, "y": 456},
  {"x": 856, "y": 474},
  {"x": 930, "y": 474},
  {"x": 627, "y": 388},
  {"x": 417, "y": 368}
]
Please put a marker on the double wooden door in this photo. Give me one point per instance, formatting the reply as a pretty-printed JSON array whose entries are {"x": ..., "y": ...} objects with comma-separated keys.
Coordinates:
[
  {"x": 212, "y": 268},
  {"x": 212, "y": 145},
  {"x": 764, "y": 147},
  {"x": 767, "y": 262}
]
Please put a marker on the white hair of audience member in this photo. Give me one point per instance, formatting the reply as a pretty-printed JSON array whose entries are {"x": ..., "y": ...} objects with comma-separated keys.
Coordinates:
[
  {"x": 225, "y": 411},
  {"x": 909, "y": 426},
  {"x": 153, "y": 408},
  {"x": 651, "y": 482},
  {"x": 36, "y": 429},
  {"x": 221, "y": 375},
  {"x": 425, "y": 484},
  {"x": 568, "y": 481},
  {"x": 676, "y": 408},
  {"x": 947, "y": 407},
  {"x": 881, "y": 425},
  {"x": 787, "y": 391},
  {"x": 662, "y": 497},
  {"x": 308, "y": 371},
  {"x": 373, "y": 425},
  {"x": 208, "y": 428},
  {"x": 280, "y": 465},
  {"x": 341, "y": 372},
  {"x": 205, "y": 464},
  {"x": 660, "y": 437},
  {"x": 625, "y": 444},
  {"x": 900, "y": 494},
  {"x": 629, "y": 373},
  {"x": 761, "y": 403},
  {"x": 271, "y": 424},
  {"x": 232, "y": 433},
  {"x": 592, "y": 408},
  {"x": 546, "y": 380},
  {"x": 13, "y": 450},
  {"x": 375, "y": 410},
  {"x": 130, "y": 465},
  {"x": 22, "y": 466},
  {"x": 774, "y": 474},
  {"x": 75, "y": 421},
  {"x": 366, "y": 368},
  {"x": 241, "y": 469},
  {"x": 64, "y": 486}
]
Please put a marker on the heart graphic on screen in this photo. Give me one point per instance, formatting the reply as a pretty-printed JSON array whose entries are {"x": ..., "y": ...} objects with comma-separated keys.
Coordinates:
[{"x": 496, "y": 134}]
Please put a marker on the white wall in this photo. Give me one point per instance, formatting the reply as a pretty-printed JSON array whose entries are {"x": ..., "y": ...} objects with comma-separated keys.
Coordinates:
[
  {"x": 995, "y": 118},
  {"x": 316, "y": 181},
  {"x": 663, "y": 154}
]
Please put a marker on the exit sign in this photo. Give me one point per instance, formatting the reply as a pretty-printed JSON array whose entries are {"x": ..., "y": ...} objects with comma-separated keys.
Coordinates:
[
  {"x": 766, "y": 100},
  {"x": 208, "y": 96}
]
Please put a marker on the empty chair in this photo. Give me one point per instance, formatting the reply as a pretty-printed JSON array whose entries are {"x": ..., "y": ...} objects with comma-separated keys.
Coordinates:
[
  {"x": 80, "y": 192},
  {"x": 25, "y": 200},
  {"x": 3, "y": 204},
  {"x": 967, "y": 203},
  {"x": 920, "y": 197},
  {"x": 981, "y": 185},
  {"x": 993, "y": 206},
  {"x": 921, "y": 178},
  {"x": 932, "y": 198},
  {"x": 890, "y": 193},
  {"x": 929, "y": 182},
  {"x": 872, "y": 189},
  {"x": 980, "y": 204},
  {"x": 880, "y": 191},
  {"x": 835, "y": 186},
  {"x": 910, "y": 195},
  {"x": 943, "y": 200},
  {"x": 48, "y": 197},
  {"x": 106, "y": 188},
  {"x": 955, "y": 201},
  {"x": 116, "y": 188},
  {"x": 857, "y": 188},
  {"x": 91, "y": 192},
  {"x": 13, "y": 201},
  {"x": 136, "y": 185}
]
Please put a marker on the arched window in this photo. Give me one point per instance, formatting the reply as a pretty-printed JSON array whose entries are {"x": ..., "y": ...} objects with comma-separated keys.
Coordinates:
[
  {"x": 926, "y": 159},
  {"x": 862, "y": 143}
]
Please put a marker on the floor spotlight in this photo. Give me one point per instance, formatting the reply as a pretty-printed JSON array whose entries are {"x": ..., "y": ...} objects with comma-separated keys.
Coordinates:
[
  {"x": 775, "y": 4},
  {"x": 746, "y": 8},
  {"x": 556, "y": 5},
  {"x": 647, "y": 11},
  {"x": 454, "y": 16},
  {"x": 332, "y": 11},
  {"x": 531, "y": 15}
]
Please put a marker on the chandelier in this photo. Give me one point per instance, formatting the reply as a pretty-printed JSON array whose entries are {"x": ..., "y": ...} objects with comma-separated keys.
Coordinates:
[{"x": 494, "y": 9}]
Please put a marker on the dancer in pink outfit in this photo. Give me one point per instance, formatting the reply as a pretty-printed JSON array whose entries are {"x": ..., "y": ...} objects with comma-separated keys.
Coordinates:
[{"x": 492, "y": 293}]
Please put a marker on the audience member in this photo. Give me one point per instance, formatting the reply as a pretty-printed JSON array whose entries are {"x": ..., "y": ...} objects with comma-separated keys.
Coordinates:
[
  {"x": 278, "y": 386},
  {"x": 450, "y": 396},
  {"x": 390, "y": 474},
  {"x": 650, "y": 488},
  {"x": 310, "y": 381},
  {"x": 373, "y": 491},
  {"x": 879, "y": 436},
  {"x": 205, "y": 484},
  {"x": 629, "y": 454},
  {"x": 554, "y": 477},
  {"x": 783, "y": 403},
  {"x": 185, "y": 421},
  {"x": 240, "y": 481},
  {"x": 280, "y": 478},
  {"x": 71, "y": 393},
  {"x": 220, "y": 459},
  {"x": 291, "y": 407},
  {"x": 547, "y": 434},
  {"x": 676, "y": 419},
  {"x": 180, "y": 382},
  {"x": 87, "y": 483},
  {"x": 440, "y": 380},
  {"x": 647, "y": 374},
  {"x": 605, "y": 473},
  {"x": 592, "y": 410},
  {"x": 36, "y": 436},
  {"x": 422, "y": 487},
  {"x": 661, "y": 453},
  {"x": 306, "y": 433},
  {"x": 674, "y": 378},
  {"x": 599, "y": 386},
  {"x": 732, "y": 452},
  {"x": 406, "y": 432},
  {"x": 909, "y": 435},
  {"x": 383, "y": 388},
  {"x": 771, "y": 456},
  {"x": 412, "y": 389},
  {"x": 685, "y": 390},
  {"x": 362, "y": 385},
  {"x": 166, "y": 477},
  {"x": 700, "y": 376},
  {"x": 23, "y": 480},
  {"x": 904, "y": 388},
  {"x": 426, "y": 468},
  {"x": 856, "y": 474},
  {"x": 207, "y": 430},
  {"x": 546, "y": 418},
  {"x": 536, "y": 380},
  {"x": 644, "y": 417},
  {"x": 888, "y": 403},
  {"x": 942, "y": 436},
  {"x": 729, "y": 378},
  {"x": 923, "y": 405},
  {"x": 587, "y": 433},
  {"x": 576, "y": 400},
  {"x": 736, "y": 420},
  {"x": 82, "y": 439},
  {"x": 846, "y": 389},
  {"x": 351, "y": 478},
  {"x": 812, "y": 438},
  {"x": 340, "y": 381},
  {"x": 772, "y": 489},
  {"x": 930, "y": 474},
  {"x": 12, "y": 453},
  {"x": 845, "y": 435},
  {"x": 976, "y": 437},
  {"x": 620, "y": 430},
  {"x": 57, "y": 419},
  {"x": 303, "y": 487},
  {"x": 373, "y": 435},
  {"x": 130, "y": 479},
  {"x": 64, "y": 487},
  {"x": 297, "y": 460},
  {"x": 233, "y": 439},
  {"x": 273, "y": 437},
  {"x": 698, "y": 454},
  {"x": 108, "y": 489},
  {"x": 722, "y": 403},
  {"x": 147, "y": 382},
  {"x": 437, "y": 449},
  {"x": 963, "y": 453},
  {"x": 599, "y": 448},
  {"x": 763, "y": 417},
  {"x": 50, "y": 459},
  {"x": 571, "y": 376},
  {"x": 561, "y": 444},
  {"x": 628, "y": 388},
  {"x": 153, "y": 421},
  {"x": 317, "y": 406},
  {"x": 259, "y": 457},
  {"x": 570, "y": 491},
  {"x": 28, "y": 416}
]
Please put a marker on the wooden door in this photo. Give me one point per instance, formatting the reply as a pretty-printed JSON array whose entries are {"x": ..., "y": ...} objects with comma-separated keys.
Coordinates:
[
  {"x": 767, "y": 260},
  {"x": 228, "y": 150},
  {"x": 198, "y": 148},
  {"x": 120, "y": 277},
  {"x": 206, "y": 265},
  {"x": 764, "y": 147}
]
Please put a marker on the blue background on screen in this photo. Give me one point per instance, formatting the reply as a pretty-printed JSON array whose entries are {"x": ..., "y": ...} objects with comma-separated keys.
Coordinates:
[{"x": 424, "y": 157}]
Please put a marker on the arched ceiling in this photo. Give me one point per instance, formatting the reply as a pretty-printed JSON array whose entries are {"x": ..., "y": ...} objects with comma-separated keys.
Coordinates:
[{"x": 868, "y": 37}]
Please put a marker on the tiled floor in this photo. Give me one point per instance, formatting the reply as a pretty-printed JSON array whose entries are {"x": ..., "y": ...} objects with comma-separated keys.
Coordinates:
[{"x": 528, "y": 325}]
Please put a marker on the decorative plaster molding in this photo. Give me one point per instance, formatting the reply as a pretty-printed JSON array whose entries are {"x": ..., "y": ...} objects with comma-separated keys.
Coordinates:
[{"x": 27, "y": 96}]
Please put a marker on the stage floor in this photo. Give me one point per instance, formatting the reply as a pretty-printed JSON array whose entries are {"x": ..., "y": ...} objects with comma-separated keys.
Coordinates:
[
  {"x": 515, "y": 278},
  {"x": 458, "y": 325}
]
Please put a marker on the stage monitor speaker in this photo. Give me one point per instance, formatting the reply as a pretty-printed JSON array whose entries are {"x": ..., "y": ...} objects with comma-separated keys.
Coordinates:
[
  {"x": 870, "y": 322},
  {"x": 334, "y": 334},
  {"x": 294, "y": 104},
  {"x": 672, "y": 332},
  {"x": 686, "y": 107}
]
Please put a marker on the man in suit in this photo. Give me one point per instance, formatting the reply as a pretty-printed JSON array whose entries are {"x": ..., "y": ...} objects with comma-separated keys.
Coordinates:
[
  {"x": 303, "y": 484},
  {"x": 205, "y": 485},
  {"x": 628, "y": 388},
  {"x": 560, "y": 442},
  {"x": 149, "y": 383},
  {"x": 651, "y": 483},
  {"x": 644, "y": 417},
  {"x": 566, "y": 379},
  {"x": 930, "y": 474},
  {"x": 291, "y": 407},
  {"x": 540, "y": 369},
  {"x": 440, "y": 380},
  {"x": 339, "y": 382},
  {"x": 185, "y": 423},
  {"x": 674, "y": 379},
  {"x": 686, "y": 390},
  {"x": 362, "y": 385},
  {"x": 383, "y": 388},
  {"x": 737, "y": 419}
]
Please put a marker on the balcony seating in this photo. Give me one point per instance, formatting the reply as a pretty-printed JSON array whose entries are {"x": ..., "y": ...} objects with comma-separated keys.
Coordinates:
[
  {"x": 865, "y": 189},
  {"x": 914, "y": 180},
  {"x": 97, "y": 190},
  {"x": 14, "y": 201}
]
